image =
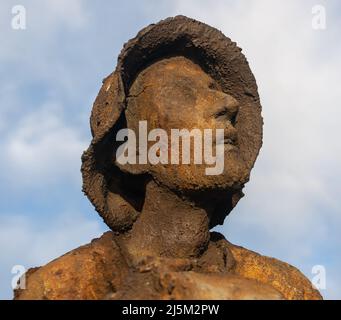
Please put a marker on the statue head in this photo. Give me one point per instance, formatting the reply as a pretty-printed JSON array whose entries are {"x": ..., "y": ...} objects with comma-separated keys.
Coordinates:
[{"x": 179, "y": 74}]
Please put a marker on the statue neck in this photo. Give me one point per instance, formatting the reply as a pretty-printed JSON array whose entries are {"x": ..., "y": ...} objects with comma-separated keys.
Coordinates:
[{"x": 168, "y": 226}]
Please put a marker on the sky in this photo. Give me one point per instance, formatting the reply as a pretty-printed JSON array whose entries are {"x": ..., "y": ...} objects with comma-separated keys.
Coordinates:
[{"x": 51, "y": 73}]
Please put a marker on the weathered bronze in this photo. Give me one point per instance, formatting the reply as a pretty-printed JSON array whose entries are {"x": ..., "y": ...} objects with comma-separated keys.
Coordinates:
[{"x": 178, "y": 73}]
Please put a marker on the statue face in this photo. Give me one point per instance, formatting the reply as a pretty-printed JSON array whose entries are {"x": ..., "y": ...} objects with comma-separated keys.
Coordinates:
[{"x": 176, "y": 93}]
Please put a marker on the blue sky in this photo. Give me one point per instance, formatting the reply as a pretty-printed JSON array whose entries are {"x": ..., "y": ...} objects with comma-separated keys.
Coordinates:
[{"x": 52, "y": 71}]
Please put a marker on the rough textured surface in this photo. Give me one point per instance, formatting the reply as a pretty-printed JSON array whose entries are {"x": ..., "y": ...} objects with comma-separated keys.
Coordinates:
[
  {"x": 223, "y": 62},
  {"x": 190, "y": 285},
  {"x": 285, "y": 278},
  {"x": 176, "y": 74},
  {"x": 88, "y": 272},
  {"x": 100, "y": 271}
]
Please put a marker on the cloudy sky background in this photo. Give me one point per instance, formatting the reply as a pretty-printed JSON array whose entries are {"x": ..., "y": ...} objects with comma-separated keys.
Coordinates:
[{"x": 51, "y": 73}]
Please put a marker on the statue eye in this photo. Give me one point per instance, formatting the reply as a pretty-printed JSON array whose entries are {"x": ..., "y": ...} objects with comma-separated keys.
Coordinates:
[
  {"x": 225, "y": 114},
  {"x": 222, "y": 112},
  {"x": 233, "y": 119}
]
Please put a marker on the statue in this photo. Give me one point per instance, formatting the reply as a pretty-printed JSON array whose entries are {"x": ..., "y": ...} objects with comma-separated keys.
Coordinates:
[{"x": 176, "y": 74}]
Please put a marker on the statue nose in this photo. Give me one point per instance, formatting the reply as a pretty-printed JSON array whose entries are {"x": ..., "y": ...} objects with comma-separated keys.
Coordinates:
[
  {"x": 231, "y": 104},
  {"x": 226, "y": 108}
]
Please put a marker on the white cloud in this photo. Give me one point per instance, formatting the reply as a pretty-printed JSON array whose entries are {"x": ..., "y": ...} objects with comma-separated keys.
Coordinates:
[
  {"x": 59, "y": 12},
  {"x": 42, "y": 149},
  {"x": 43, "y": 20}
]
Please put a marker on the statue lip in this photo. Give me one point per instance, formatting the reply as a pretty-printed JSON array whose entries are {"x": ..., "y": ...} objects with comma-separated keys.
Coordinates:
[{"x": 230, "y": 141}]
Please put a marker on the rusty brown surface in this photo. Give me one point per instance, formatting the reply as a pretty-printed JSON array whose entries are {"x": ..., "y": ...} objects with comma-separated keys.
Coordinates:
[
  {"x": 176, "y": 74},
  {"x": 99, "y": 270},
  {"x": 280, "y": 275},
  {"x": 211, "y": 70},
  {"x": 88, "y": 272}
]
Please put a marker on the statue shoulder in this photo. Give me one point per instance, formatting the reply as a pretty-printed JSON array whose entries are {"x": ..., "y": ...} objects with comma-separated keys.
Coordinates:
[
  {"x": 88, "y": 272},
  {"x": 285, "y": 278}
]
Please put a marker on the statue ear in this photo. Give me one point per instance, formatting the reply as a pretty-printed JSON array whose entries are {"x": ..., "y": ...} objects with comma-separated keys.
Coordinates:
[{"x": 126, "y": 152}]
